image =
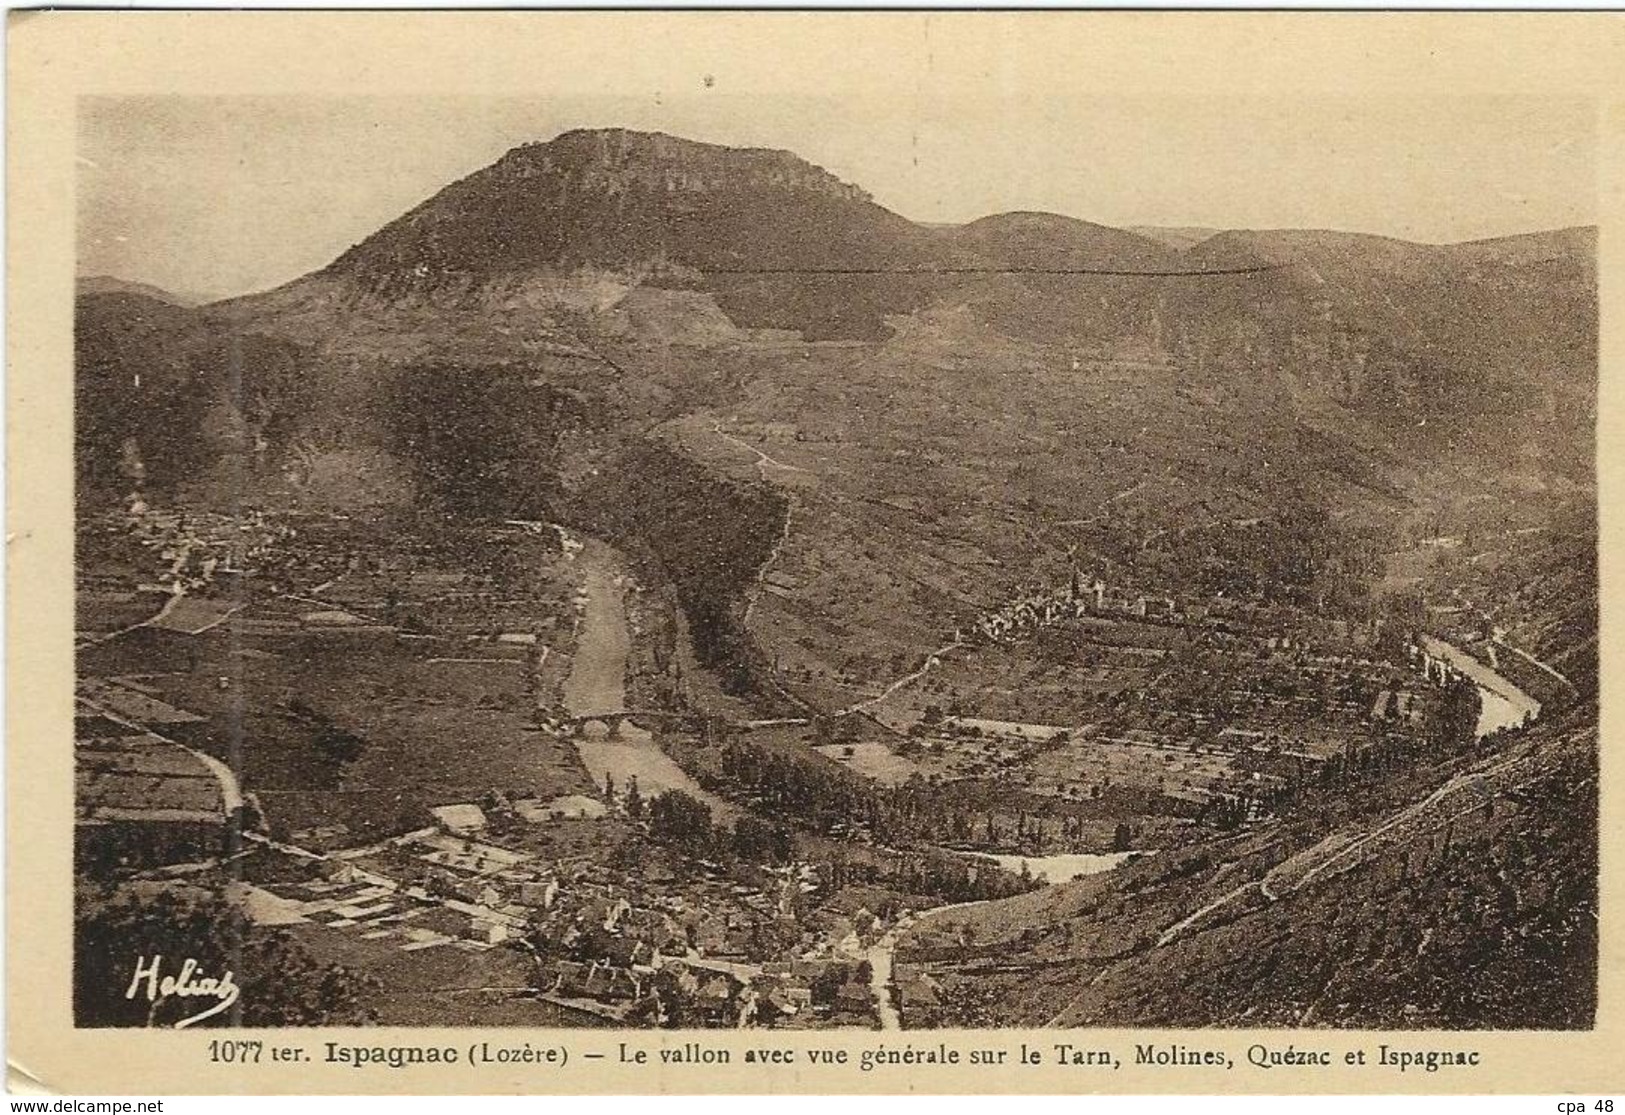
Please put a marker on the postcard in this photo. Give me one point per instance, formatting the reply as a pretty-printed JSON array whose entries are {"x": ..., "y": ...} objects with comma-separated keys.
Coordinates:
[{"x": 813, "y": 552}]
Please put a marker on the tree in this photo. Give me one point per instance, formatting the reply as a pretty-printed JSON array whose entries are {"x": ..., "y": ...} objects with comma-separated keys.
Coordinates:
[
  {"x": 1458, "y": 720},
  {"x": 478, "y": 442},
  {"x": 753, "y": 839},
  {"x": 677, "y": 817}
]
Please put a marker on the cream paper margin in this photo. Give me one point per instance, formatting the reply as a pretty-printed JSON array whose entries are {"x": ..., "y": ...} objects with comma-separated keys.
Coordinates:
[{"x": 56, "y": 57}]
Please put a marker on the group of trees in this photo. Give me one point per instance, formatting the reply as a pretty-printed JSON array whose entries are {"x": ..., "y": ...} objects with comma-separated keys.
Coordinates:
[
  {"x": 683, "y": 821},
  {"x": 708, "y": 535},
  {"x": 334, "y": 743},
  {"x": 1456, "y": 727},
  {"x": 1295, "y": 781},
  {"x": 928, "y": 871},
  {"x": 1299, "y": 556},
  {"x": 482, "y": 442},
  {"x": 831, "y": 800},
  {"x": 160, "y": 392},
  {"x": 916, "y": 814},
  {"x": 680, "y": 820}
]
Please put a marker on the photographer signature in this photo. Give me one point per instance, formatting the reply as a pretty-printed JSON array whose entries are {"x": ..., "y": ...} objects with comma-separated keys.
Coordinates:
[{"x": 184, "y": 984}]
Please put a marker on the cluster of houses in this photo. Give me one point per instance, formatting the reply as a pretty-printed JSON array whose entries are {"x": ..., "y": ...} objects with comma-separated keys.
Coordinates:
[
  {"x": 703, "y": 954},
  {"x": 192, "y": 550},
  {"x": 1088, "y": 595},
  {"x": 691, "y": 992},
  {"x": 1082, "y": 596},
  {"x": 698, "y": 950}
]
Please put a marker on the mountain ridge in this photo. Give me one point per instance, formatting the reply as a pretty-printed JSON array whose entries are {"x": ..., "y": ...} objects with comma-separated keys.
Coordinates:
[
  {"x": 607, "y": 248},
  {"x": 828, "y": 480},
  {"x": 112, "y": 284}
]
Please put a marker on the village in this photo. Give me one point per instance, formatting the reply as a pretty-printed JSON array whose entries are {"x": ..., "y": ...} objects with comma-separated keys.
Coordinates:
[
  {"x": 618, "y": 929},
  {"x": 1086, "y": 692},
  {"x": 647, "y": 935},
  {"x": 669, "y": 942}
]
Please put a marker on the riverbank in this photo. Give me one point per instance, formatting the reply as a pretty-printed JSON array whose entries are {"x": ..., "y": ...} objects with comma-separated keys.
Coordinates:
[{"x": 596, "y": 685}]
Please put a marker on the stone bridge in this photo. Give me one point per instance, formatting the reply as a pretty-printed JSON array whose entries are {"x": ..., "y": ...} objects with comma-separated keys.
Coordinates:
[{"x": 570, "y": 726}]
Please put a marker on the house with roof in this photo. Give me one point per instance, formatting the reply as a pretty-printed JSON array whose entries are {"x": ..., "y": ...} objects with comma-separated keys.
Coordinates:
[
  {"x": 781, "y": 995},
  {"x": 854, "y": 998},
  {"x": 539, "y": 893},
  {"x": 655, "y": 928},
  {"x": 714, "y": 1002},
  {"x": 571, "y": 978},
  {"x": 569, "y": 807},
  {"x": 603, "y": 912},
  {"x": 919, "y": 1002},
  {"x": 596, "y": 980},
  {"x": 707, "y": 932},
  {"x": 628, "y": 952},
  {"x": 474, "y": 891},
  {"x": 486, "y": 931}
]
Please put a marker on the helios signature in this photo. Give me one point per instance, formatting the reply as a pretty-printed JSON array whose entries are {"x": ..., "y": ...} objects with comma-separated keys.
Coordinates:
[{"x": 187, "y": 982}]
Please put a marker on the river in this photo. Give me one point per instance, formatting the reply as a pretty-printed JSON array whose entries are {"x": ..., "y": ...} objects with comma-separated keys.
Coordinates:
[
  {"x": 1502, "y": 704},
  {"x": 597, "y": 684}
]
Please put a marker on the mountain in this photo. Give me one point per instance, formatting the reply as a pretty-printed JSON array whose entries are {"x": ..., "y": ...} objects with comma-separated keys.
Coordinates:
[
  {"x": 1174, "y": 236},
  {"x": 779, "y": 242},
  {"x": 1468, "y": 334},
  {"x": 649, "y": 233},
  {"x": 108, "y": 284},
  {"x": 1025, "y": 385},
  {"x": 1049, "y": 241},
  {"x": 617, "y": 199}
]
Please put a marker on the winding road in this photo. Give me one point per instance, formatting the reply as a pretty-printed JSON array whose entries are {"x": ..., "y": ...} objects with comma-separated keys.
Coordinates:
[
  {"x": 932, "y": 661},
  {"x": 231, "y": 793},
  {"x": 763, "y": 460}
]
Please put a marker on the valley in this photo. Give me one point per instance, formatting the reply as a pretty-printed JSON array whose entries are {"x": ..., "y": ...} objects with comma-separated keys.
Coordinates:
[{"x": 621, "y": 606}]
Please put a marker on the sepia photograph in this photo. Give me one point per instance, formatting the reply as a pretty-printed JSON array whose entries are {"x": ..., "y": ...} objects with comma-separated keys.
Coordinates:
[
  {"x": 711, "y": 560},
  {"x": 651, "y": 582}
]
